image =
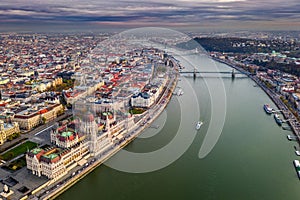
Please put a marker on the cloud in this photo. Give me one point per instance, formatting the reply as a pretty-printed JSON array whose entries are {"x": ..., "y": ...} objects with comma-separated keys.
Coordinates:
[{"x": 183, "y": 12}]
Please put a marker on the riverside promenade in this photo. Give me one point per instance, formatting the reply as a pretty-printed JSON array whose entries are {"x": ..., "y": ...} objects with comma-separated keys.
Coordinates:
[
  {"x": 288, "y": 115},
  {"x": 275, "y": 97},
  {"x": 232, "y": 65},
  {"x": 56, "y": 189}
]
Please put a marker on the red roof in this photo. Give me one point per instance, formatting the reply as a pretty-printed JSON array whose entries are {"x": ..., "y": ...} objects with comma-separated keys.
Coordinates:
[
  {"x": 54, "y": 160},
  {"x": 43, "y": 111},
  {"x": 61, "y": 128},
  {"x": 38, "y": 156},
  {"x": 71, "y": 137},
  {"x": 3, "y": 104}
]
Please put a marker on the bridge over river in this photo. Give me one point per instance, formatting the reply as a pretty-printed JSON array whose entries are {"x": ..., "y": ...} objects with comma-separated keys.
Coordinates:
[{"x": 195, "y": 72}]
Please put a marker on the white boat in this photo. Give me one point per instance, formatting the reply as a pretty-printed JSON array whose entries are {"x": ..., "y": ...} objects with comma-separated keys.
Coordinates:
[
  {"x": 296, "y": 163},
  {"x": 199, "y": 124},
  {"x": 290, "y": 137},
  {"x": 297, "y": 167},
  {"x": 180, "y": 92},
  {"x": 297, "y": 153}
]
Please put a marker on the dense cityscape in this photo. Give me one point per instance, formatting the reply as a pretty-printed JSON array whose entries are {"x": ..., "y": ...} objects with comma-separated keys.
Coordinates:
[
  {"x": 133, "y": 100},
  {"x": 41, "y": 87},
  {"x": 45, "y": 77}
]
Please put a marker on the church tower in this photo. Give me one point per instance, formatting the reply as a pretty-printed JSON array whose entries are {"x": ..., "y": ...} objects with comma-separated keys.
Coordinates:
[{"x": 89, "y": 128}]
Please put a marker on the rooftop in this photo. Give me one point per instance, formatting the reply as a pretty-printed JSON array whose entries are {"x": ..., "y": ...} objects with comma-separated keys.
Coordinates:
[
  {"x": 36, "y": 150},
  {"x": 51, "y": 156},
  {"x": 66, "y": 134}
]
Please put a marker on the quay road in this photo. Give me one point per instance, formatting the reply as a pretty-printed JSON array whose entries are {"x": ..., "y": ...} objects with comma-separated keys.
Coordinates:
[
  {"x": 275, "y": 97},
  {"x": 55, "y": 189},
  {"x": 27, "y": 135},
  {"x": 232, "y": 65},
  {"x": 288, "y": 115}
]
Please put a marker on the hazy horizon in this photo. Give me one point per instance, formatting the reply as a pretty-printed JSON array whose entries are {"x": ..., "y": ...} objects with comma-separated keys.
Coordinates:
[{"x": 94, "y": 15}]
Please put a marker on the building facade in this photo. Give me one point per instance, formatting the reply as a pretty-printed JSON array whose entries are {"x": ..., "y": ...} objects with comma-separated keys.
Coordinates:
[
  {"x": 142, "y": 100},
  {"x": 29, "y": 119},
  {"x": 55, "y": 162},
  {"x": 7, "y": 129},
  {"x": 66, "y": 139},
  {"x": 95, "y": 134}
]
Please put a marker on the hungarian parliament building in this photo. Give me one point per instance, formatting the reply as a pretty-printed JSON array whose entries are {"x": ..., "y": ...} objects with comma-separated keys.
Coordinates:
[{"x": 74, "y": 142}]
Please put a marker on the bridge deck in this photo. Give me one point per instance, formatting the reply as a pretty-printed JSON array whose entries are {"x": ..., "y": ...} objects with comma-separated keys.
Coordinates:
[{"x": 207, "y": 72}]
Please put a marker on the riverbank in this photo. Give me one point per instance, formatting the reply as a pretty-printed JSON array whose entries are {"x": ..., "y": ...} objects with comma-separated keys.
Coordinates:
[
  {"x": 248, "y": 139},
  {"x": 288, "y": 115},
  {"x": 232, "y": 65},
  {"x": 132, "y": 134}
]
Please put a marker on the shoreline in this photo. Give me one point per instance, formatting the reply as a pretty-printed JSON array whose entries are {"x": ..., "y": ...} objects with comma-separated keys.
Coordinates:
[
  {"x": 271, "y": 94},
  {"x": 140, "y": 129},
  {"x": 280, "y": 105},
  {"x": 166, "y": 95}
]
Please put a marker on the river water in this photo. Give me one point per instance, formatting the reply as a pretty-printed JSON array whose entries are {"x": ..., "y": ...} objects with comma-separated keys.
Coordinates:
[{"x": 251, "y": 158}]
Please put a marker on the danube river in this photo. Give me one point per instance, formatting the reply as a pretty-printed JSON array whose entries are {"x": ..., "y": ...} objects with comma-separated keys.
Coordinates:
[{"x": 251, "y": 159}]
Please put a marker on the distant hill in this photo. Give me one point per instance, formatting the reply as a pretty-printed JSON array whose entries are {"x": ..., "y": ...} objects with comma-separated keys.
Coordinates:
[
  {"x": 237, "y": 45},
  {"x": 226, "y": 45}
]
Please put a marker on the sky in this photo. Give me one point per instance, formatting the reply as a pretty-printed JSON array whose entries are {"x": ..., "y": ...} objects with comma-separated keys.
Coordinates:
[{"x": 42, "y": 15}]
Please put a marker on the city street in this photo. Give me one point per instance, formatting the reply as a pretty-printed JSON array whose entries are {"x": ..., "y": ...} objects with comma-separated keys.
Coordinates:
[{"x": 37, "y": 135}]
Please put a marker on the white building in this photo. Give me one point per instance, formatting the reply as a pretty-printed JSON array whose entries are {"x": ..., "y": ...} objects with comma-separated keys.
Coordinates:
[
  {"x": 142, "y": 100},
  {"x": 65, "y": 139},
  {"x": 73, "y": 146},
  {"x": 55, "y": 162},
  {"x": 97, "y": 142}
]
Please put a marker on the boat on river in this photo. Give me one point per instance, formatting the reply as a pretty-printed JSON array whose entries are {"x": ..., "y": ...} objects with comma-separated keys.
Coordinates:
[
  {"x": 297, "y": 167},
  {"x": 199, "y": 124},
  {"x": 277, "y": 119},
  {"x": 291, "y": 137},
  {"x": 268, "y": 109}
]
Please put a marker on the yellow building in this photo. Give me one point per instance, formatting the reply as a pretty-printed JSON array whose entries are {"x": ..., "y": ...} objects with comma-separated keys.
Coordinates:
[
  {"x": 31, "y": 118},
  {"x": 57, "y": 81},
  {"x": 4, "y": 81},
  {"x": 7, "y": 130}
]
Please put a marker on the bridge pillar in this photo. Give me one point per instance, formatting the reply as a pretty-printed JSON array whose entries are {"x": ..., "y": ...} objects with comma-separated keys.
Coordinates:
[
  {"x": 232, "y": 74},
  {"x": 194, "y": 74}
]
